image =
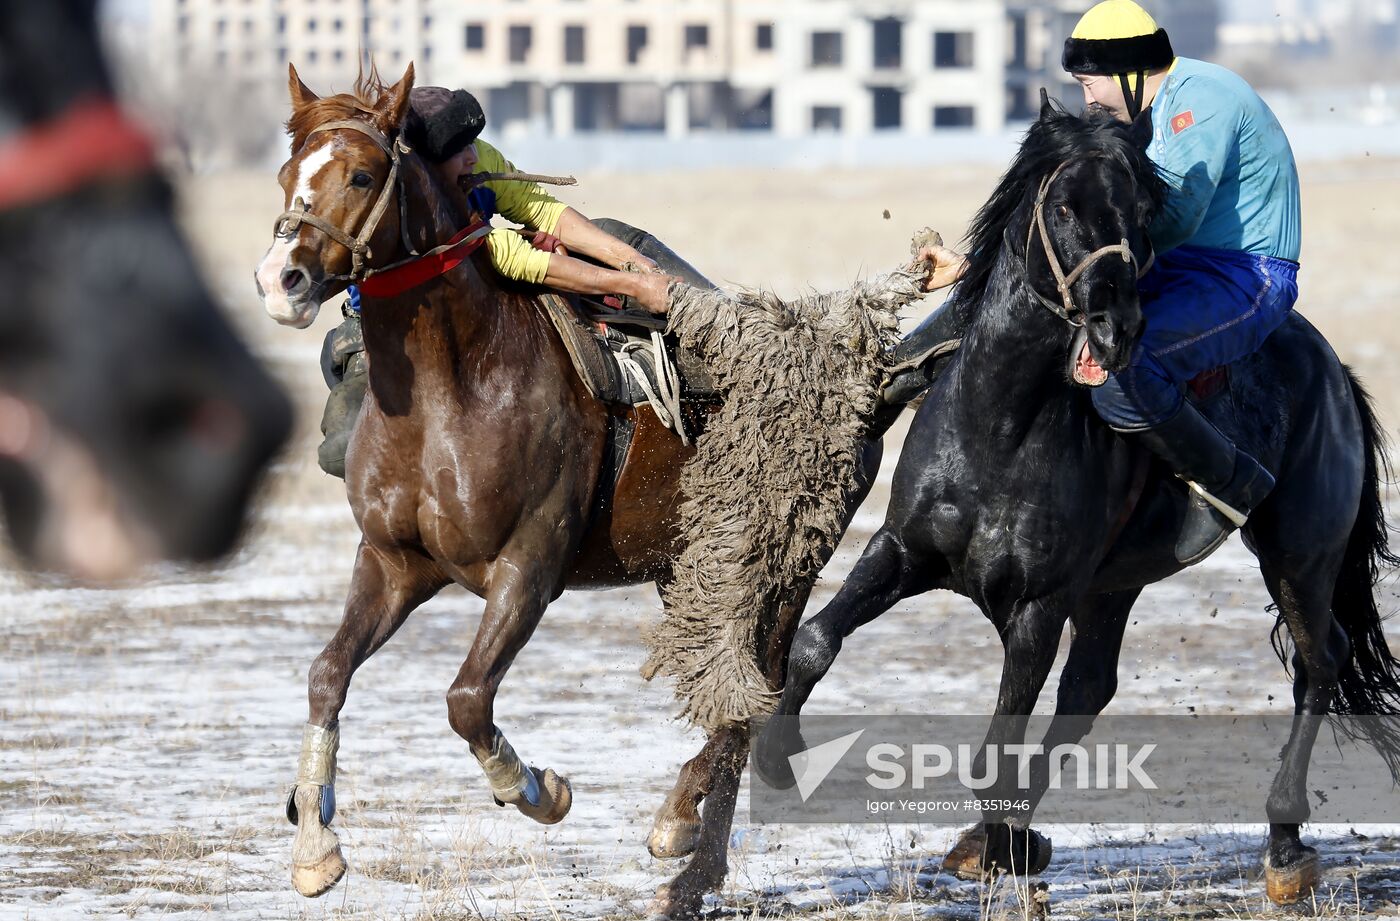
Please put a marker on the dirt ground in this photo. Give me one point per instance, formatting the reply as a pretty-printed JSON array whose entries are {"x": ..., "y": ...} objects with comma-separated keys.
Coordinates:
[{"x": 147, "y": 733}]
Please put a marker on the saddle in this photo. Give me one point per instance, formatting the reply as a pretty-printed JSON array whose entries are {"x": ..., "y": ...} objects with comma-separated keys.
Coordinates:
[{"x": 624, "y": 357}]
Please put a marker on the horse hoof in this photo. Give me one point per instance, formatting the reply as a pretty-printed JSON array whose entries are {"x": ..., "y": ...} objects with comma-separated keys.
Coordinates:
[
  {"x": 965, "y": 859},
  {"x": 318, "y": 878},
  {"x": 970, "y": 858},
  {"x": 771, "y": 762},
  {"x": 556, "y": 796},
  {"x": 1293, "y": 883},
  {"x": 671, "y": 838},
  {"x": 676, "y": 903}
]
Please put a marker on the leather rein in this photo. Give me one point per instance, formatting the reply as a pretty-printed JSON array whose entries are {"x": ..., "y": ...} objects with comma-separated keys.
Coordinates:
[
  {"x": 1067, "y": 309},
  {"x": 399, "y": 276}
]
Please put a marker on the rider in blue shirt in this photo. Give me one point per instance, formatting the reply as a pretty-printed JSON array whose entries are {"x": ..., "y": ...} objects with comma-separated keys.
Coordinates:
[{"x": 1227, "y": 243}]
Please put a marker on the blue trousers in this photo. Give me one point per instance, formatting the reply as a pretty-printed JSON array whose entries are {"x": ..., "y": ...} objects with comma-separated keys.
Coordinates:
[{"x": 1204, "y": 308}]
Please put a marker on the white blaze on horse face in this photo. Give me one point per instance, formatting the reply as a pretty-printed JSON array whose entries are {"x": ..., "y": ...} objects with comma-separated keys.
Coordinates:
[{"x": 279, "y": 306}]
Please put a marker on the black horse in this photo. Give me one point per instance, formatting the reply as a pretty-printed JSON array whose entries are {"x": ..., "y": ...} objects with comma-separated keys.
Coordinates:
[
  {"x": 133, "y": 423},
  {"x": 1010, "y": 490}
]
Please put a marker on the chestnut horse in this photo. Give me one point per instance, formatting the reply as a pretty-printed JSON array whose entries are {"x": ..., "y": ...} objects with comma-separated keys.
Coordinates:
[
  {"x": 133, "y": 422},
  {"x": 479, "y": 457}
]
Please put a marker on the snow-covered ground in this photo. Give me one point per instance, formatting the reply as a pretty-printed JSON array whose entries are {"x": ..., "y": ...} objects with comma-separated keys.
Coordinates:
[{"x": 148, "y": 734}]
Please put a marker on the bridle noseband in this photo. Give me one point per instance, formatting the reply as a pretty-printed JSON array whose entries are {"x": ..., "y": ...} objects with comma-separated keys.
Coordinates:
[
  {"x": 289, "y": 222},
  {"x": 1067, "y": 310}
]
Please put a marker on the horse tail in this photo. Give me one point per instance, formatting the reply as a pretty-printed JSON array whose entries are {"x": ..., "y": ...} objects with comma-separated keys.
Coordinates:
[{"x": 1369, "y": 681}]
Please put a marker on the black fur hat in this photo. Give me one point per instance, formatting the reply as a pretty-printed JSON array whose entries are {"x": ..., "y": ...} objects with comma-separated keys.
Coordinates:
[
  {"x": 1118, "y": 55},
  {"x": 443, "y": 121}
]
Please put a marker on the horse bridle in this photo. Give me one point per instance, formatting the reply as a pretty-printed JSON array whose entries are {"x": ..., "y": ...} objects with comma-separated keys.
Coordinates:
[
  {"x": 1067, "y": 310},
  {"x": 290, "y": 221}
]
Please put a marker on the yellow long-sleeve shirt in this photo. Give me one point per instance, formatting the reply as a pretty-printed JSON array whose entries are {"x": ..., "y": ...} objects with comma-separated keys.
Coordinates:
[{"x": 524, "y": 203}]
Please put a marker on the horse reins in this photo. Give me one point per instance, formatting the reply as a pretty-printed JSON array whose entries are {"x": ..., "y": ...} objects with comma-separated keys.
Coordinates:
[
  {"x": 290, "y": 221},
  {"x": 399, "y": 276},
  {"x": 1067, "y": 310}
]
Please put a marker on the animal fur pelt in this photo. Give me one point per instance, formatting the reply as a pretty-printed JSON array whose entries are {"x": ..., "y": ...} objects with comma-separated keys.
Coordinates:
[{"x": 764, "y": 495}]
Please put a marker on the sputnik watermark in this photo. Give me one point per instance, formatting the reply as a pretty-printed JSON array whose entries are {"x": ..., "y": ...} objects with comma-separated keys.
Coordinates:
[
  {"x": 1102, "y": 767},
  {"x": 1074, "y": 769},
  {"x": 893, "y": 767}
]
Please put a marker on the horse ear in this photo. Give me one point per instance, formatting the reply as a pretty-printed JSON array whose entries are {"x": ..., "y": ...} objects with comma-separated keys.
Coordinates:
[
  {"x": 393, "y": 107},
  {"x": 1046, "y": 107},
  {"x": 301, "y": 94},
  {"x": 1141, "y": 132}
]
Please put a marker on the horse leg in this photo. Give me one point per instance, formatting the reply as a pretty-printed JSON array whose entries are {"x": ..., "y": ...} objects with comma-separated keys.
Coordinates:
[
  {"x": 1087, "y": 684},
  {"x": 1030, "y": 636},
  {"x": 675, "y": 831},
  {"x": 1304, "y": 595},
  {"x": 384, "y": 589},
  {"x": 676, "y": 828},
  {"x": 880, "y": 578},
  {"x": 515, "y": 602},
  {"x": 684, "y": 895}
]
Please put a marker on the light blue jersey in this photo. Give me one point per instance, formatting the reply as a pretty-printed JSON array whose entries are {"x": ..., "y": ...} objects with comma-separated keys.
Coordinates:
[{"x": 1234, "y": 185}]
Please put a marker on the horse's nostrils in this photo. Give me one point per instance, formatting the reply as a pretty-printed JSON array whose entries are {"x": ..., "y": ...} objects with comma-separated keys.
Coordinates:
[{"x": 293, "y": 279}]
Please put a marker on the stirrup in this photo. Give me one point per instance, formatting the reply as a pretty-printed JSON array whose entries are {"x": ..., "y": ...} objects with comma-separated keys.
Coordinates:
[{"x": 1235, "y": 516}]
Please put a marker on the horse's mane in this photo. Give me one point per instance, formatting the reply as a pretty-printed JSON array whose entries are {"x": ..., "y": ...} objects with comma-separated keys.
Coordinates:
[
  {"x": 1055, "y": 137},
  {"x": 360, "y": 103}
]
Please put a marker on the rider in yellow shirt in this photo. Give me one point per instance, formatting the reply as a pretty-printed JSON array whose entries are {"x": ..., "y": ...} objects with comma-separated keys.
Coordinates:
[{"x": 444, "y": 128}]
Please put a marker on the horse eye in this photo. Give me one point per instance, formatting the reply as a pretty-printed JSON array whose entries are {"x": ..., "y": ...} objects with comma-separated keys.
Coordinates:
[
  {"x": 362, "y": 180},
  {"x": 1062, "y": 210}
]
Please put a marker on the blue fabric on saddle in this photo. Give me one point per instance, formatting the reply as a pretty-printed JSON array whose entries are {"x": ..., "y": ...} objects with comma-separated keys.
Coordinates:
[{"x": 1204, "y": 308}]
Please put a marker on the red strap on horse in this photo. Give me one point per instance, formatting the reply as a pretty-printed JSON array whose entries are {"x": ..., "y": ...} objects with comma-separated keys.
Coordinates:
[
  {"x": 408, "y": 275},
  {"x": 91, "y": 140}
]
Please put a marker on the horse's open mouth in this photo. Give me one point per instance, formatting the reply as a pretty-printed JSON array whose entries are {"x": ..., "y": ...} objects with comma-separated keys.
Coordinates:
[{"x": 1087, "y": 371}]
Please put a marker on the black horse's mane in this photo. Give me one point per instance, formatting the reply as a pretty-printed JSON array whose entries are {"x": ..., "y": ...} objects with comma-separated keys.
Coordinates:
[{"x": 1057, "y": 136}]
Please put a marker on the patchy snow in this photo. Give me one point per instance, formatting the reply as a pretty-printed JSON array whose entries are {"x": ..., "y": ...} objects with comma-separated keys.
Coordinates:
[{"x": 148, "y": 733}]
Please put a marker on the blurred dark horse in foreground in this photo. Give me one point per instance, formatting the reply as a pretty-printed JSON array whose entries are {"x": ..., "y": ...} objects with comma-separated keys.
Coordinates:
[
  {"x": 133, "y": 423},
  {"x": 1012, "y": 492}
]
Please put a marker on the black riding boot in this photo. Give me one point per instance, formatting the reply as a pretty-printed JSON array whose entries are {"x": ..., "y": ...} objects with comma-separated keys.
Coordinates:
[
  {"x": 346, "y": 369},
  {"x": 917, "y": 362},
  {"x": 1226, "y": 483}
]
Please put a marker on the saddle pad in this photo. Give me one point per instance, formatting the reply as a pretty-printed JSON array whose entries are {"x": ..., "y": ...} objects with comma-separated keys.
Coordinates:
[
  {"x": 591, "y": 358},
  {"x": 594, "y": 353}
]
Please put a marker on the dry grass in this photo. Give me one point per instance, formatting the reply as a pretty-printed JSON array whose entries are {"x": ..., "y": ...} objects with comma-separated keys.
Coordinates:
[{"x": 435, "y": 859}]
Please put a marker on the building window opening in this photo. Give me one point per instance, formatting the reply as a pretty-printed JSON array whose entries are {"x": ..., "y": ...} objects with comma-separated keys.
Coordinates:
[
  {"x": 826, "y": 49},
  {"x": 952, "y": 50}
]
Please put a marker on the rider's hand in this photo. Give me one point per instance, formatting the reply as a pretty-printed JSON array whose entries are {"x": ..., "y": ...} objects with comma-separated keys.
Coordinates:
[
  {"x": 636, "y": 262},
  {"x": 653, "y": 292},
  {"x": 944, "y": 266}
]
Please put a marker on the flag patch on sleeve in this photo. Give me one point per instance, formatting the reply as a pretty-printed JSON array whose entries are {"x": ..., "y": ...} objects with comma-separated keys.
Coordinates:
[{"x": 1183, "y": 121}]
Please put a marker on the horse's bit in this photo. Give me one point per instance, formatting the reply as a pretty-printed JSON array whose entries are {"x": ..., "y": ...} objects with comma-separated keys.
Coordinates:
[
  {"x": 288, "y": 222},
  {"x": 1067, "y": 310}
]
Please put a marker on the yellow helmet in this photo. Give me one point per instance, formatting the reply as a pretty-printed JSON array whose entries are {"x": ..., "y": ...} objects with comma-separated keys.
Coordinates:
[{"x": 1117, "y": 37}]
